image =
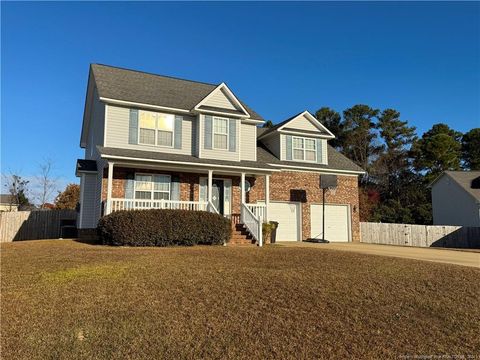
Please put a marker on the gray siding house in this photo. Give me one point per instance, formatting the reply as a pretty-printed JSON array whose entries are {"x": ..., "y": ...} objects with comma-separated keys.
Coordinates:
[
  {"x": 155, "y": 141},
  {"x": 456, "y": 198}
]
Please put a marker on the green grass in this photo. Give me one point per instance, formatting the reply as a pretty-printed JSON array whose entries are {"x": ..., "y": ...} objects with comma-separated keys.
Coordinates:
[{"x": 68, "y": 300}]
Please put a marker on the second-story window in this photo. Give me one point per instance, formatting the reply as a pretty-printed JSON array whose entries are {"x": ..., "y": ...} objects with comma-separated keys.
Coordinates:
[
  {"x": 220, "y": 133},
  {"x": 304, "y": 149},
  {"x": 156, "y": 128}
]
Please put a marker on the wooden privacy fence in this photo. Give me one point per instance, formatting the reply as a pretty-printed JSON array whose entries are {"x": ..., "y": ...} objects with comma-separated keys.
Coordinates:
[
  {"x": 420, "y": 235},
  {"x": 31, "y": 225}
]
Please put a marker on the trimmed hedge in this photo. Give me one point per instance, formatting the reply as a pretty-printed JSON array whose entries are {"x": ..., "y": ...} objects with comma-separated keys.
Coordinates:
[{"x": 157, "y": 227}]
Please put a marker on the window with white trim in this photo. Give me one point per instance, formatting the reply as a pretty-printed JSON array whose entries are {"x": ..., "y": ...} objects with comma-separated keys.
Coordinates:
[
  {"x": 220, "y": 133},
  {"x": 155, "y": 128},
  {"x": 304, "y": 149},
  {"x": 152, "y": 187}
]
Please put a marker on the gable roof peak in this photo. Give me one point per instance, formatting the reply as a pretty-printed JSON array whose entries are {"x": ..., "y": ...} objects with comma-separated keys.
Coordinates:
[{"x": 308, "y": 115}]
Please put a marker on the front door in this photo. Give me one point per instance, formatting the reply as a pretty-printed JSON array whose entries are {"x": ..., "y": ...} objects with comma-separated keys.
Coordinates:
[{"x": 218, "y": 195}]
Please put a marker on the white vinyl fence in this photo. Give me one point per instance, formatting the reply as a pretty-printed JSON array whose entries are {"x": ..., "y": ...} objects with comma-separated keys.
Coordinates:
[{"x": 420, "y": 235}]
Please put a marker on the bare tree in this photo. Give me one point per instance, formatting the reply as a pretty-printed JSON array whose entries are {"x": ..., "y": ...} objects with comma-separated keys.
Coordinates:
[
  {"x": 17, "y": 189},
  {"x": 46, "y": 183}
]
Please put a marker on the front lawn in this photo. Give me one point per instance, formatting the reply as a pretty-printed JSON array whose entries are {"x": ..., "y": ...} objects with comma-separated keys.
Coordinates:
[{"x": 64, "y": 299}]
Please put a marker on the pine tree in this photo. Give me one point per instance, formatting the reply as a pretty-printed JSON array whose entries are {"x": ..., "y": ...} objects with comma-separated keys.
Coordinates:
[
  {"x": 393, "y": 159},
  {"x": 438, "y": 150},
  {"x": 471, "y": 149},
  {"x": 359, "y": 143},
  {"x": 333, "y": 122}
]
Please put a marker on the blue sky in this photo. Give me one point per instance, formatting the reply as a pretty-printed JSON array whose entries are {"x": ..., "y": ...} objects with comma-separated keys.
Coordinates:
[{"x": 422, "y": 59}]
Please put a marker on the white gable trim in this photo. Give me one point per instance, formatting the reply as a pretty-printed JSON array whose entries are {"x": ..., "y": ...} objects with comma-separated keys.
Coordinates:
[
  {"x": 229, "y": 115},
  {"x": 313, "y": 120},
  {"x": 142, "y": 105},
  {"x": 252, "y": 121},
  {"x": 87, "y": 109},
  {"x": 299, "y": 133},
  {"x": 221, "y": 87}
]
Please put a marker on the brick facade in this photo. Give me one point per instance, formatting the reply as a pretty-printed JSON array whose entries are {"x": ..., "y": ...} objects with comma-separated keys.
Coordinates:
[
  {"x": 285, "y": 186},
  {"x": 304, "y": 187}
]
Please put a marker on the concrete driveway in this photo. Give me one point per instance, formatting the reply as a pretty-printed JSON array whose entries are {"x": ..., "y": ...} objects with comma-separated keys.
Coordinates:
[{"x": 457, "y": 257}]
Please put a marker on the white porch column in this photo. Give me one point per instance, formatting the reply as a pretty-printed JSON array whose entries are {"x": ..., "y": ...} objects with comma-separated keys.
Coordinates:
[
  {"x": 109, "y": 187},
  {"x": 267, "y": 196},
  {"x": 210, "y": 184},
  {"x": 242, "y": 188}
]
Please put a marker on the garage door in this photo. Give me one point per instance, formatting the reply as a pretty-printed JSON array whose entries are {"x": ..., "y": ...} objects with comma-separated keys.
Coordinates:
[
  {"x": 337, "y": 222},
  {"x": 288, "y": 216}
]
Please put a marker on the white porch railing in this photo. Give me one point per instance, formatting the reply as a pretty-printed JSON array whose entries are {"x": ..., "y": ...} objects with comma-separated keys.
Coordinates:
[
  {"x": 135, "y": 204},
  {"x": 252, "y": 222},
  {"x": 212, "y": 208},
  {"x": 259, "y": 210}
]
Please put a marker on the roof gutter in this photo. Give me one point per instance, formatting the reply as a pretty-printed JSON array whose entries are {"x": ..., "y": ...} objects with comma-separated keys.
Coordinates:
[{"x": 329, "y": 171}]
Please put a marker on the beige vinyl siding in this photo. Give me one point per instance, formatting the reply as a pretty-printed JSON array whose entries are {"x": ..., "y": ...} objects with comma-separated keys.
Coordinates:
[
  {"x": 117, "y": 133},
  {"x": 194, "y": 136},
  {"x": 216, "y": 153},
  {"x": 98, "y": 190},
  {"x": 452, "y": 205},
  {"x": 301, "y": 123},
  {"x": 272, "y": 143},
  {"x": 219, "y": 99},
  {"x": 248, "y": 142},
  {"x": 96, "y": 128},
  {"x": 88, "y": 212}
]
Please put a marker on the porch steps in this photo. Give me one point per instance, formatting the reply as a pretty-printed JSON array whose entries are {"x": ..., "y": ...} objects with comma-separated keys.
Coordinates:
[{"x": 240, "y": 236}]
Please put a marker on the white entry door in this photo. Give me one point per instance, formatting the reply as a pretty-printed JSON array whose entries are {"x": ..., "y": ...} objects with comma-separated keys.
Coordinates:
[
  {"x": 288, "y": 216},
  {"x": 337, "y": 222}
]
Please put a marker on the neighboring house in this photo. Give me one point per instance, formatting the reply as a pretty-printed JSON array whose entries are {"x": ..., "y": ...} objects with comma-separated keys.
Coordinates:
[
  {"x": 160, "y": 142},
  {"x": 8, "y": 203},
  {"x": 456, "y": 198}
]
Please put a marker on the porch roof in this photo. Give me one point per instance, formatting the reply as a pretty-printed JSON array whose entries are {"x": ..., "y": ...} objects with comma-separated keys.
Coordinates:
[
  {"x": 85, "y": 166},
  {"x": 178, "y": 159}
]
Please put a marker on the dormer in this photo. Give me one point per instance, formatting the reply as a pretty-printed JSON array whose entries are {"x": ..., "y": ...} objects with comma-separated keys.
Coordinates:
[
  {"x": 226, "y": 128},
  {"x": 300, "y": 139}
]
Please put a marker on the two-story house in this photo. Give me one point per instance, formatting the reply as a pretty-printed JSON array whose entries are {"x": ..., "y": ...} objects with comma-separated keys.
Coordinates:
[{"x": 160, "y": 142}]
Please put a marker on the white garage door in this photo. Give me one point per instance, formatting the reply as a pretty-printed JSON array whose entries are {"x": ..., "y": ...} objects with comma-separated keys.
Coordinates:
[
  {"x": 337, "y": 222},
  {"x": 288, "y": 216}
]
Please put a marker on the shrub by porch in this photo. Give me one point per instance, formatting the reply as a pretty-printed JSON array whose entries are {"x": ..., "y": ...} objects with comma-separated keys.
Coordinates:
[{"x": 157, "y": 227}]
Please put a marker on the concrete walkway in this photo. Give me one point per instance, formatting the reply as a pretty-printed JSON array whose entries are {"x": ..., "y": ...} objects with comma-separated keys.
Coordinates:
[{"x": 457, "y": 257}]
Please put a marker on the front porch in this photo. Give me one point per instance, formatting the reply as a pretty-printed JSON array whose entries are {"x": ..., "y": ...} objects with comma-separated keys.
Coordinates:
[{"x": 138, "y": 187}]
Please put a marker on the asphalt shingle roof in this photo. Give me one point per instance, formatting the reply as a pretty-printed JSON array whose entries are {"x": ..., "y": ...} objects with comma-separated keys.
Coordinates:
[
  {"x": 336, "y": 160},
  {"x": 150, "y": 155},
  {"x": 468, "y": 180},
  {"x": 265, "y": 159},
  {"x": 136, "y": 86}
]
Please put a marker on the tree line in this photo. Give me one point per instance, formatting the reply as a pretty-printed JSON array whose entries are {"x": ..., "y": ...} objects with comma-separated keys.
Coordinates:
[{"x": 399, "y": 164}]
